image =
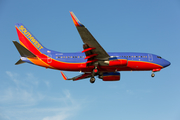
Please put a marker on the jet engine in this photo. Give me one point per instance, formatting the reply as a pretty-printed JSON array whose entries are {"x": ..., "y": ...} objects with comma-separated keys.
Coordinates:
[{"x": 111, "y": 76}]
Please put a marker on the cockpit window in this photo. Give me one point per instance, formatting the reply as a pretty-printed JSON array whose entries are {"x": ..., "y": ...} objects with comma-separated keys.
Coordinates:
[{"x": 159, "y": 57}]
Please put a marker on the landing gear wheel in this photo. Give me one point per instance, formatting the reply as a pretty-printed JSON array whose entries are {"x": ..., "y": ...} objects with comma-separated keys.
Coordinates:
[
  {"x": 152, "y": 75},
  {"x": 92, "y": 80},
  {"x": 100, "y": 76}
]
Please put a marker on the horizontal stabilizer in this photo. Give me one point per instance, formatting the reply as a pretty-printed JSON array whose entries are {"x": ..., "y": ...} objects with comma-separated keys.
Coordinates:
[
  {"x": 23, "y": 51},
  {"x": 19, "y": 62}
]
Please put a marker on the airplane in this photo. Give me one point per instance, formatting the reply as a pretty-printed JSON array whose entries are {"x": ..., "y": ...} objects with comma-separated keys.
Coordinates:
[{"x": 92, "y": 61}]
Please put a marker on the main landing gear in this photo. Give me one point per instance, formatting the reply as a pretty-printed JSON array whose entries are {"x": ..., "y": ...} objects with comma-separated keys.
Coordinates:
[
  {"x": 94, "y": 72},
  {"x": 92, "y": 80}
]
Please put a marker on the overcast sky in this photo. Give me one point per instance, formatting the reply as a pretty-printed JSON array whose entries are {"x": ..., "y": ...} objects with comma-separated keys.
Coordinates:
[{"x": 29, "y": 92}]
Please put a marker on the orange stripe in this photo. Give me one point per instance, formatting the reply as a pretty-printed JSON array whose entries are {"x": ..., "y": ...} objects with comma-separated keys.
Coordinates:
[{"x": 39, "y": 62}]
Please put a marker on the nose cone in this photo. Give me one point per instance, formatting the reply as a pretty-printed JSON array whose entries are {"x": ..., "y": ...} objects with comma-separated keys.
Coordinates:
[{"x": 166, "y": 63}]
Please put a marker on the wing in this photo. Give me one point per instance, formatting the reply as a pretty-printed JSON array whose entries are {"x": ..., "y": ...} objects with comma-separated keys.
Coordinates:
[
  {"x": 82, "y": 76},
  {"x": 92, "y": 48}
]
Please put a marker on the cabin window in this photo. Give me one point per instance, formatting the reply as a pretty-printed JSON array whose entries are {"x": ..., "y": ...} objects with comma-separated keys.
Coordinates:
[
  {"x": 68, "y": 56},
  {"x": 75, "y": 56}
]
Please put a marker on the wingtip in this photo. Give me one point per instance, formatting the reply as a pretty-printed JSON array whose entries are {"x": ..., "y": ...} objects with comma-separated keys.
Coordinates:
[
  {"x": 63, "y": 75},
  {"x": 75, "y": 20}
]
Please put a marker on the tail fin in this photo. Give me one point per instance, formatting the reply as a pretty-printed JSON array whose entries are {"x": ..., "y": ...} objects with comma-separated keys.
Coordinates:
[{"x": 28, "y": 40}]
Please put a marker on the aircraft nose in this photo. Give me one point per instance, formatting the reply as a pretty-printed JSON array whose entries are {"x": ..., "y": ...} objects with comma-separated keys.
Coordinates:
[{"x": 166, "y": 63}]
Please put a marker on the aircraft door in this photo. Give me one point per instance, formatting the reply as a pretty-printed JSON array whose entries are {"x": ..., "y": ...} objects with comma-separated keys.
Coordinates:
[
  {"x": 49, "y": 58},
  {"x": 150, "y": 57}
]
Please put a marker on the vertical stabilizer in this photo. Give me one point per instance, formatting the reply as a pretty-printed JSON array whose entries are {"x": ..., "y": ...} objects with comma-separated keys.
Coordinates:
[{"x": 28, "y": 40}]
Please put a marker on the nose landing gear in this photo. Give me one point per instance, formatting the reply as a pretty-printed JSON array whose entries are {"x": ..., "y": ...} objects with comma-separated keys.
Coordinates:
[{"x": 152, "y": 75}]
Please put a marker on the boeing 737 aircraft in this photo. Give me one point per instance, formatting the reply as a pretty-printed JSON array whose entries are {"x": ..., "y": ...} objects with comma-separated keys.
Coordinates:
[{"x": 92, "y": 61}]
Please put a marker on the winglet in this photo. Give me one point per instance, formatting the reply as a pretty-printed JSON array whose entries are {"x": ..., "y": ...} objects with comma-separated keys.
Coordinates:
[
  {"x": 63, "y": 75},
  {"x": 75, "y": 20}
]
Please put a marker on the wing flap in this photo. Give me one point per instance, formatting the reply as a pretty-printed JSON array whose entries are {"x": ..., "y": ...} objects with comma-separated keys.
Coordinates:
[{"x": 89, "y": 40}]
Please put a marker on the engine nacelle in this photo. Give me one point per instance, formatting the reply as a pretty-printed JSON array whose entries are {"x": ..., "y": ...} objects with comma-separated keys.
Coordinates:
[
  {"x": 112, "y": 76},
  {"x": 117, "y": 62}
]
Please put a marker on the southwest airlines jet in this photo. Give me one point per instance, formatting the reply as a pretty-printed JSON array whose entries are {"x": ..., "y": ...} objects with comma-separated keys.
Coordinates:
[{"x": 92, "y": 61}]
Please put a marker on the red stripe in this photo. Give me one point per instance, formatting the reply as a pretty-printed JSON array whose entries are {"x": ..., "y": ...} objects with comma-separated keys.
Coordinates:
[
  {"x": 90, "y": 56},
  {"x": 88, "y": 49}
]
